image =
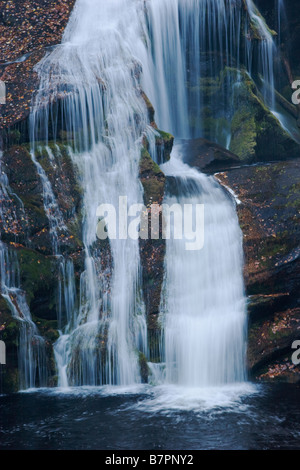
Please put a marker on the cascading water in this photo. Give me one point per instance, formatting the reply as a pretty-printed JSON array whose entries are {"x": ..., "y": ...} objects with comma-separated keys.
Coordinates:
[
  {"x": 266, "y": 53},
  {"x": 52, "y": 210},
  {"x": 185, "y": 54},
  {"x": 96, "y": 69},
  {"x": 31, "y": 346},
  {"x": 191, "y": 42},
  {"x": 203, "y": 304},
  {"x": 281, "y": 17}
]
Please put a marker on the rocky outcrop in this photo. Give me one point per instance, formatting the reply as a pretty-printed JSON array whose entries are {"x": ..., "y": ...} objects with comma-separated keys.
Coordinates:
[
  {"x": 26, "y": 231},
  {"x": 207, "y": 156},
  {"x": 152, "y": 251},
  {"x": 269, "y": 218},
  {"x": 256, "y": 134},
  {"x": 27, "y": 31},
  {"x": 9, "y": 333}
]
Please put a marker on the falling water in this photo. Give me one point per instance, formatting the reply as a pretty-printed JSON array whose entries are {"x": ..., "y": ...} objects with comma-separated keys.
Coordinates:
[
  {"x": 203, "y": 305},
  {"x": 185, "y": 54},
  {"x": 31, "y": 346},
  {"x": 95, "y": 72},
  {"x": 281, "y": 16},
  {"x": 191, "y": 43},
  {"x": 266, "y": 52}
]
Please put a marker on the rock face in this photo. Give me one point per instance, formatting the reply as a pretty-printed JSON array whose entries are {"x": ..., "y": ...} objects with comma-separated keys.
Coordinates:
[
  {"x": 269, "y": 218},
  {"x": 27, "y": 29},
  {"x": 207, "y": 156},
  {"x": 152, "y": 251},
  {"x": 26, "y": 231},
  {"x": 256, "y": 134}
]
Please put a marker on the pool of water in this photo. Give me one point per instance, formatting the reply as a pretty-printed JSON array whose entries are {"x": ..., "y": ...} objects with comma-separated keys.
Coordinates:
[{"x": 159, "y": 418}]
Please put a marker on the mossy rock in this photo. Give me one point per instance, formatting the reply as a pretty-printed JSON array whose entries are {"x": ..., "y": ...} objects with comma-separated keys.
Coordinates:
[
  {"x": 257, "y": 135},
  {"x": 152, "y": 178},
  {"x": 9, "y": 333},
  {"x": 39, "y": 277},
  {"x": 164, "y": 144},
  {"x": 144, "y": 368},
  {"x": 152, "y": 252},
  {"x": 25, "y": 183},
  {"x": 9, "y": 326},
  {"x": 150, "y": 108},
  {"x": 62, "y": 175},
  {"x": 244, "y": 135}
]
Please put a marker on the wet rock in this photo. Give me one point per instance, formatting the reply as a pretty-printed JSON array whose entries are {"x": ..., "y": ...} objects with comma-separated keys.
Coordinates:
[
  {"x": 152, "y": 251},
  {"x": 207, "y": 156},
  {"x": 269, "y": 218},
  {"x": 257, "y": 135},
  {"x": 9, "y": 333},
  {"x": 164, "y": 145},
  {"x": 28, "y": 204},
  {"x": 27, "y": 29}
]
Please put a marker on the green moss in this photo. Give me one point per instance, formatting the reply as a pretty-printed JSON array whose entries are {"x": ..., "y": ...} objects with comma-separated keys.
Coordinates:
[
  {"x": 38, "y": 275},
  {"x": 152, "y": 178},
  {"x": 14, "y": 136},
  {"x": 10, "y": 327},
  {"x": 256, "y": 133},
  {"x": 164, "y": 143},
  {"x": 9, "y": 379},
  {"x": 149, "y": 106},
  {"x": 47, "y": 328},
  {"x": 144, "y": 368},
  {"x": 244, "y": 135}
]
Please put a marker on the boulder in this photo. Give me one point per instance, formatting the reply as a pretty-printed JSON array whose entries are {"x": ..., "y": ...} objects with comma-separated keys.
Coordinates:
[
  {"x": 207, "y": 156},
  {"x": 269, "y": 218}
]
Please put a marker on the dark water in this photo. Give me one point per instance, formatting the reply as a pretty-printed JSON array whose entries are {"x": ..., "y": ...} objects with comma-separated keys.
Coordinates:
[{"x": 264, "y": 417}]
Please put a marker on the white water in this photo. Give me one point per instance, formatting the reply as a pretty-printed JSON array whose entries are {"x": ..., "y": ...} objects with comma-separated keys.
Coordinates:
[
  {"x": 108, "y": 47},
  {"x": 96, "y": 64},
  {"x": 31, "y": 346},
  {"x": 52, "y": 210},
  {"x": 203, "y": 304},
  {"x": 191, "y": 42}
]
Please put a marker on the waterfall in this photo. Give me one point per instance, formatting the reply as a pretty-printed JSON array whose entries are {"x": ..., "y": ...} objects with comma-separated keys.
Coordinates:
[
  {"x": 191, "y": 43},
  {"x": 281, "y": 17},
  {"x": 186, "y": 56},
  {"x": 203, "y": 304},
  {"x": 31, "y": 346},
  {"x": 266, "y": 52},
  {"x": 203, "y": 314},
  {"x": 95, "y": 72}
]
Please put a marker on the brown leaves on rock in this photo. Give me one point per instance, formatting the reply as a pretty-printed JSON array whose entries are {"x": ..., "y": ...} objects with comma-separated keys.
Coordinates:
[
  {"x": 269, "y": 214},
  {"x": 29, "y": 25},
  {"x": 26, "y": 27}
]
